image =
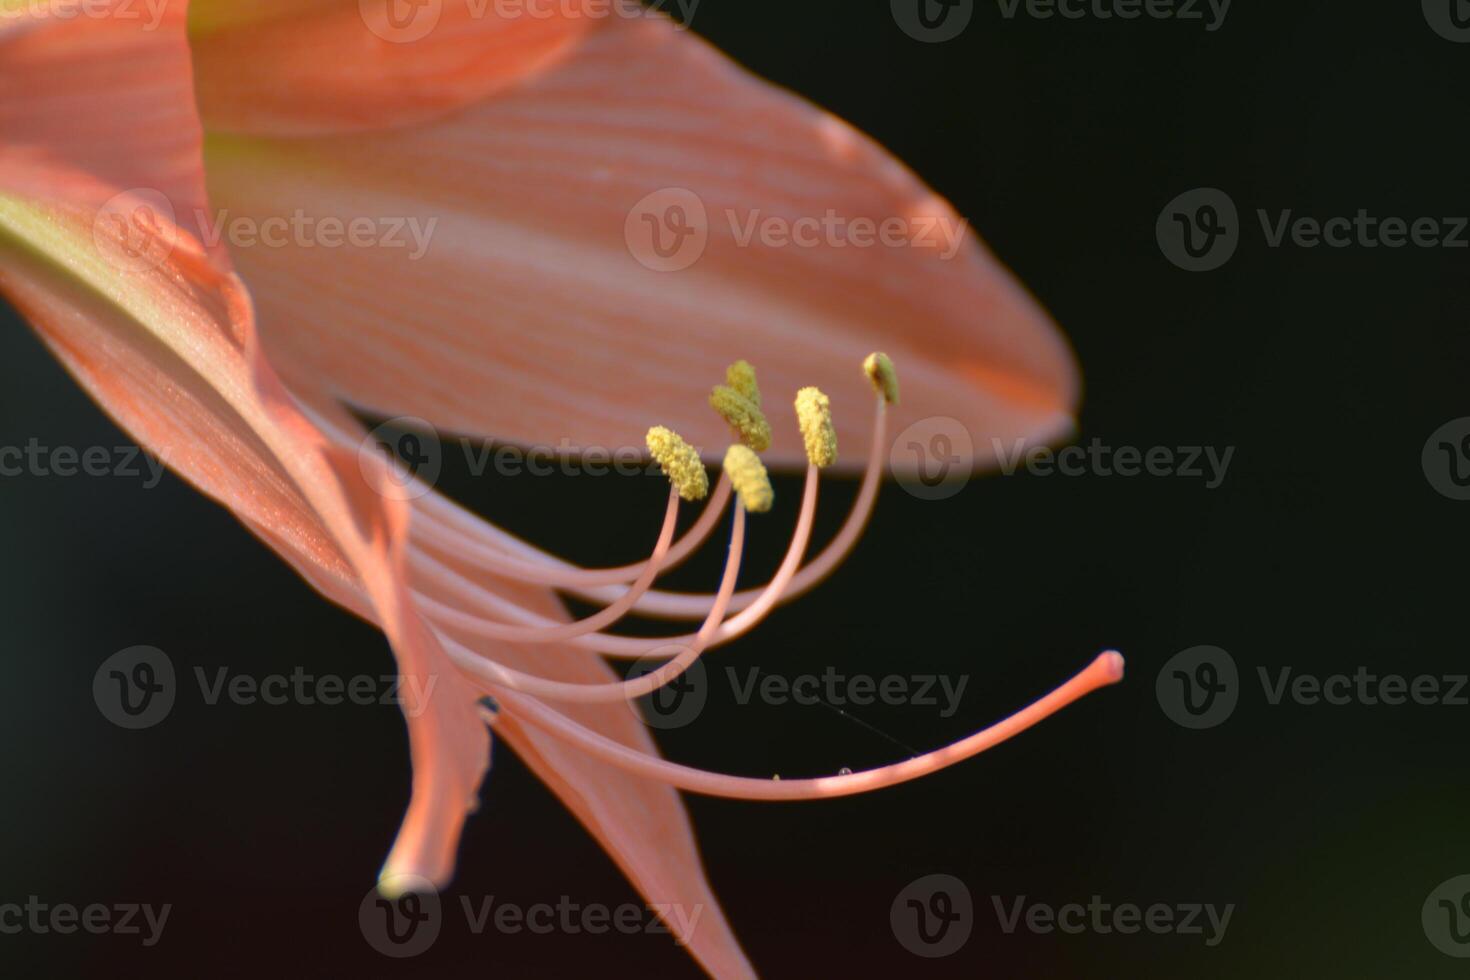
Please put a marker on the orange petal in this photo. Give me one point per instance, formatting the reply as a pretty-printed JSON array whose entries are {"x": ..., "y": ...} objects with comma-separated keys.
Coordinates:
[
  {"x": 169, "y": 351},
  {"x": 530, "y": 317},
  {"x": 102, "y": 187},
  {"x": 163, "y": 337},
  {"x": 641, "y": 824},
  {"x": 284, "y": 66},
  {"x": 94, "y": 105}
]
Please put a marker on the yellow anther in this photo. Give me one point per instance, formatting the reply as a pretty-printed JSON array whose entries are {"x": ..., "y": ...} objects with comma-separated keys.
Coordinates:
[
  {"x": 814, "y": 413},
  {"x": 743, "y": 415},
  {"x": 680, "y": 463},
  {"x": 741, "y": 377},
  {"x": 881, "y": 372},
  {"x": 749, "y": 478}
]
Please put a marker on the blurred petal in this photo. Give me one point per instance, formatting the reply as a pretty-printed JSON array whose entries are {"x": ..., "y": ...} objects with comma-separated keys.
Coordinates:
[
  {"x": 114, "y": 279},
  {"x": 641, "y": 824},
  {"x": 524, "y": 309},
  {"x": 168, "y": 349},
  {"x": 99, "y": 99},
  {"x": 105, "y": 255}
]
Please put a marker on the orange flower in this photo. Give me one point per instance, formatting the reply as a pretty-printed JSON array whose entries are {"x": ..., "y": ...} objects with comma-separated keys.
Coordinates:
[{"x": 601, "y": 213}]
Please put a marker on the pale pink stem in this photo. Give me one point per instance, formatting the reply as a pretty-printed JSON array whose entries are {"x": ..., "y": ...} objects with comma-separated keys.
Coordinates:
[
  {"x": 559, "y": 632},
  {"x": 1105, "y": 670},
  {"x": 622, "y": 646},
  {"x": 434, "y": 529},
  {"x": 672, "y": 605},
  {"x": 495, "y": 673}
]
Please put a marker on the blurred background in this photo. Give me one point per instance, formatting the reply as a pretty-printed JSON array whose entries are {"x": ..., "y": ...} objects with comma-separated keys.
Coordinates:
[{"x": 1322, "y": 828}]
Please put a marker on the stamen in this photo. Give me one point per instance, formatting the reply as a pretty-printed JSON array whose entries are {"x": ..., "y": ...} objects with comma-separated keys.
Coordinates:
[
  {"x": 487, "y": 602},
  {"x": 675, "y": 605},
  {"x": 452, "y": 537},
  {"x": 1106, "y": 670},
  {"x": 680, "y": 463},
  {"x": 553, "y": 632},
  {"x": 744, "y": 417},
  {"x": 814, "y": 415},
  {"x": 884, "y": 376},
  {"x": 496, "y": 673},
  {"x": 741, "y": 377},
  {"x": 749, "y": 478}
]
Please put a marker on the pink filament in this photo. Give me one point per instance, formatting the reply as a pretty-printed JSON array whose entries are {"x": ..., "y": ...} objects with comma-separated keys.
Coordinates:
[
  {"x": 626, "y": 646},
  {"x": 559, "y": 632},
  {"x": 498, "y": 674},
  {"x": 436, "y": 532},
  {"x": 1105, "y": 670}
]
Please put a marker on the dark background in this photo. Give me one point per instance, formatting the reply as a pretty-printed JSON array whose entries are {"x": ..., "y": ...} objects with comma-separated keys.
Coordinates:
[{"x": 1324, "y": 550}]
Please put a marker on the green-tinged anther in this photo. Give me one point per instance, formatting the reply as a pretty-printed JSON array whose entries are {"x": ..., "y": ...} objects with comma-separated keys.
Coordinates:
[
  {"x": 749, "y": 478},
  {"x": 741, "y": 377},
  {"x": 814, "y": 414},
  {"x": 744, "y": 416},
  {"x": 680, "y": 463},
  {"x": 884, "y": 375}
]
